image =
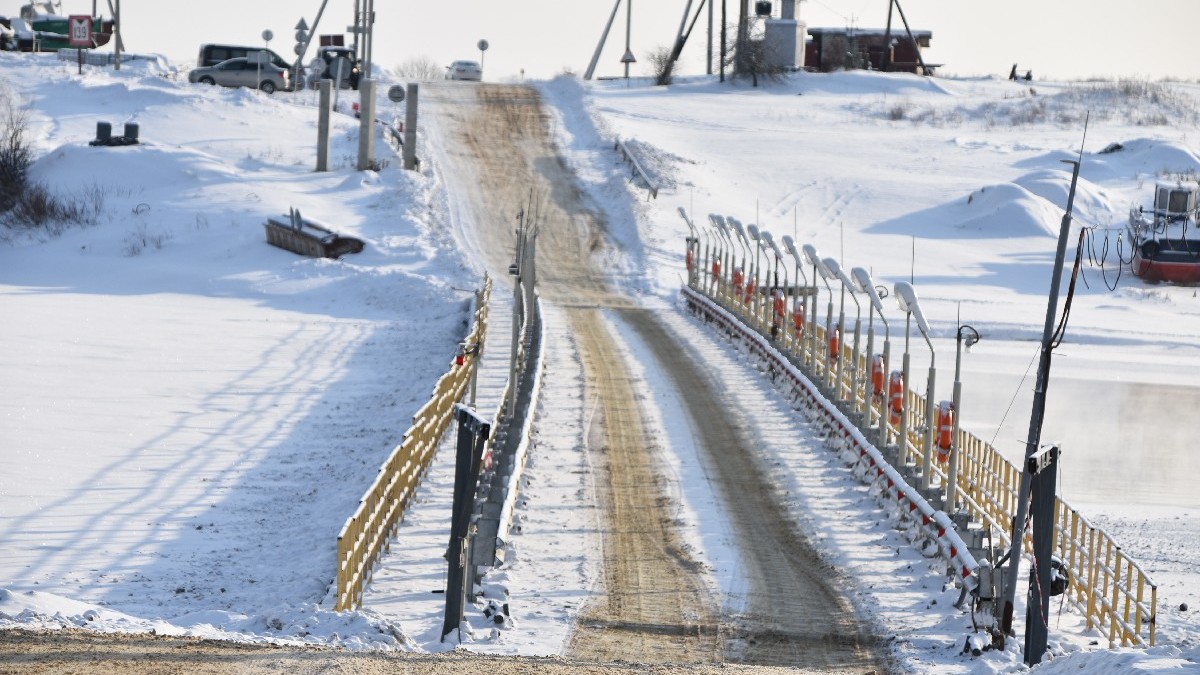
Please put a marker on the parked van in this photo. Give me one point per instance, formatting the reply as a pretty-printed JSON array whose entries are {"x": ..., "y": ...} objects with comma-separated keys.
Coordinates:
[{"x": 211, "y": 55}]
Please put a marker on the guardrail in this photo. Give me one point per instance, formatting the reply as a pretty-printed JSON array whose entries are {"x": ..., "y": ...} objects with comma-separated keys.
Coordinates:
[
  {"x": 628, "y": 156},
  {"x": 366, "y": 534},
  {"x": 932, "y": 523},
  {"x": 1112, "y": 592}
]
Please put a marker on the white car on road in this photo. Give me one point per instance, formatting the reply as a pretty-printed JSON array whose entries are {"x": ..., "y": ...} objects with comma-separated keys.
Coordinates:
[{"x": 464, "y": 70}]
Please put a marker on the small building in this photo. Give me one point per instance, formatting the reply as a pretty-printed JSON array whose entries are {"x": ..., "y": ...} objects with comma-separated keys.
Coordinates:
[{"x": 831, "y": 49}]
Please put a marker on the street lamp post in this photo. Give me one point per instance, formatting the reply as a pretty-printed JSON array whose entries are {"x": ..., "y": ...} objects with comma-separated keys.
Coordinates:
[
  {"x": 848, "y": 285},
  {"x": 743, "y": 241},
  {"x": 862, "y": 281},
  {"x": 726, "y": 251},
  {"x": 835, "y": 348},
  {"x": 693, "y": 249},
  {"x": 972, "y": 337},
  {"x": 802, "y": 299},
  {"x": 814, "y": 259},
  {"x": 714, "y": 258},
  {"x": 777, "y": 316},
  {"x": 906, "y": 296},
  {"x": 752, "y": 229}
]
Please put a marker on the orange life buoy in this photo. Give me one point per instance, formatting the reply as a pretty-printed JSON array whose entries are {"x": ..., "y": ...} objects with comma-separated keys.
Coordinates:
[
  {"x": 780, "y": 308},
  {"x": 877, "y": 375},
  {"x": 945, "y": 430},
  {"x": 691, "y": 262},
  {"x": 835, "y": 343},
  {"x": 716, "y": 268},
  {"x": 738, "y": 279},
  {"x": 798, "y": 319},
  {"x": 750, "y": 288},
  {"x": 895, "y": 396}
]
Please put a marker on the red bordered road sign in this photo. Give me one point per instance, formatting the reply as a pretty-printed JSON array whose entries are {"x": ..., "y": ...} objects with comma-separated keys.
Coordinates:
[{"x": 80, "y": 29}]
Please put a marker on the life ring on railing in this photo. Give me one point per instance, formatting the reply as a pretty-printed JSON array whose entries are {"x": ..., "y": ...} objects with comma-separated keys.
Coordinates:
[
  {"x": 739, "y": 278},
  {"x": 895, "y": 396},
  {"x": 945, "y": 430},
  {"x": 835, "y": 343},
  {"x": 877, "y": 375},
  {"x": 691, "y": 260},
  {"x": 716, "y": 268},
  {"x": 798, "y": 319},
  {"x": 780, "y": 306},
  {"x": 751, "y": 286}
]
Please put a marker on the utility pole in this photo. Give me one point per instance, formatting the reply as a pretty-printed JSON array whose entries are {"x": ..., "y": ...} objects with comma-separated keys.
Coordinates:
[
  {"x": 369, "y": 71},
  {"x": 1037, "y": 415},
  {"x": 117, "y": 30},
  {"x": 743, "y": 36},
  {"x": 628, "y": 58},
  {"x": 709, "y": 70},
  {"x": 723, "y": 31},
  {"x": 886, "y": 64}
]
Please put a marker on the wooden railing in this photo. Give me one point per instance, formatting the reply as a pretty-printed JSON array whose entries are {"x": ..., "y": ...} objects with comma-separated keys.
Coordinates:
[
  {"x": 367, "y": 532},
  {"x": 1110, "y": 590}
]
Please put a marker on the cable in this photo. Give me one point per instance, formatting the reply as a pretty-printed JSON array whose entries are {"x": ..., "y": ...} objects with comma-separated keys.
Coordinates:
[
  {"x": 1057, "y": 338},
  {"x": 1014, "y": 396}
]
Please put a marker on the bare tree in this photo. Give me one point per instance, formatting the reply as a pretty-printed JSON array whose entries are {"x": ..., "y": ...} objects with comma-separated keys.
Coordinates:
[
  {"x": 749, "y": 57},
  {"x": 15, "y": 153},
  {"x": 662, "y": 65},
  {"x": 421, "y": 68}
]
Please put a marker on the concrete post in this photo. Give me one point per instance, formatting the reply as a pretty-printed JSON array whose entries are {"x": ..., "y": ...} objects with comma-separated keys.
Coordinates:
[
  {"x": 410, "y": 129},
  {"x": 366, "y": 128},
  {"x": 324, "y": 110}
]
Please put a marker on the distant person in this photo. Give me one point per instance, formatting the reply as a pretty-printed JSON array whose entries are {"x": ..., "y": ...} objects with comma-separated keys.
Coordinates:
[{"x": 1029, "y": 76}]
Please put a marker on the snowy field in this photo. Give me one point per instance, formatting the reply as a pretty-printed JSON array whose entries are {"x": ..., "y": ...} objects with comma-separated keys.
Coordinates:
[{"x": 188, "y": 415}]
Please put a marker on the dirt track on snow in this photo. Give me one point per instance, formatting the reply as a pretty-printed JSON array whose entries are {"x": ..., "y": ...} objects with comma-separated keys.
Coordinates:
[
  {"x": 655, "y": 605},
  {"x": 656, "y": 612}
]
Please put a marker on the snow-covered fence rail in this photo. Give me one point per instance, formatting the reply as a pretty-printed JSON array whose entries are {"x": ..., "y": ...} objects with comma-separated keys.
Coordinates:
[
  {"x": 932, "y": 525},
  {"x": 366, "y": 534},
  {"x": 628, "y": 156},
  {"x": 1112, "y": 592}
]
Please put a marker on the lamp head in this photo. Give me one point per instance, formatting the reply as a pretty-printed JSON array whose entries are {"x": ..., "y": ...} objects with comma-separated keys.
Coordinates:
[
  {"x": 753, "y": 230},
  {"x": 906, "y": 297},
  {"x": 789, "y": 245},
  {"x": 691, "y": 227},
  {"x": 830, "y": 269},
  {"x": 810, "y": 255},
  {"x": 737, "y": 226},
  {"x": 771, "y": 242},
  {"x": 716, "y": 219},
  {"x": 864, "y": 284}
]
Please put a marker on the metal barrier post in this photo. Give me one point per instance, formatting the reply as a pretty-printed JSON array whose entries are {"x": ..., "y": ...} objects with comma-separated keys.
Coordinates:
[{"x": 473, "y": 432}]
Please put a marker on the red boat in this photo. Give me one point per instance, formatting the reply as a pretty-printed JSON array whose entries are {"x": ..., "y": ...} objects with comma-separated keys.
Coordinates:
[{"x": 1163, "y": 247}]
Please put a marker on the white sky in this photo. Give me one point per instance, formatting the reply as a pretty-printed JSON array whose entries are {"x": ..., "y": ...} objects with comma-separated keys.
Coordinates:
[{"x": 1054, "y": 38}]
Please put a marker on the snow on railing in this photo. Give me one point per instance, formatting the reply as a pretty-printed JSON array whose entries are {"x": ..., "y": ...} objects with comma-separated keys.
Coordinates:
[
  {"x": 934, "y": 524},
  {"x": 628, "y": 156},
  {"x": 1108, "y": 588},
  {"x": 366, "y": 534}
]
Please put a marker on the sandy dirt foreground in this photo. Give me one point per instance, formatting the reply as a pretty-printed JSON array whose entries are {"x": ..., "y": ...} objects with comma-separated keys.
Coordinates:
[{"x": 89, "y": 653}]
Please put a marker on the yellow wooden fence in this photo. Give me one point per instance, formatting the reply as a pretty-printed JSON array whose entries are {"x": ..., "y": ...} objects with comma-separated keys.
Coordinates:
[
  {"x": 1110, "y": 590},
  {"x": 367, "y": 532}
]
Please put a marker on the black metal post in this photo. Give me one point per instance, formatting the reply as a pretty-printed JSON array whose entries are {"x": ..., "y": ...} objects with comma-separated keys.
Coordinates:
[
  {"x": 1044, "y": 475},
  {"x": 473, "y": 432},
  {"x": 1035, "y": 418}
]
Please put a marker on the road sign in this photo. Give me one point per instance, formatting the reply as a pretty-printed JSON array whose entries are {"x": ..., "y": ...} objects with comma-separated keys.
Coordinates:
[
  {"x": 396, "y": 93},
  {"x": 628, "y": 58},
  {"x": 80, "y": 30},
  {"x": 483, "y": 45},
  {"x": 302, "y": 24},
  {"x": 268, "y": 35}
]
